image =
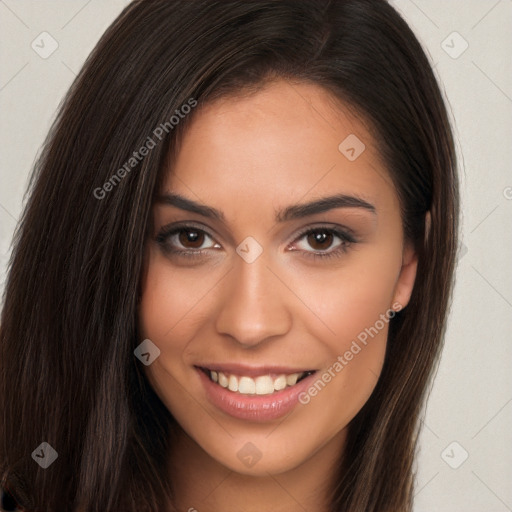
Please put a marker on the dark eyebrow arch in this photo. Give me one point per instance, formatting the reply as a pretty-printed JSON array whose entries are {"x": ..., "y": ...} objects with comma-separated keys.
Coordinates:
[
  {"x": 297, "y": 211},
  {"x": 322, "y": 205},
  {"x": 190, "y": 206}
]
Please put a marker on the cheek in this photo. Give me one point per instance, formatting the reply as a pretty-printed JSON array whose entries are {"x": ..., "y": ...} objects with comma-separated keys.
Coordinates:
[
  {"x": 355, "y": 351},
  {"x": 168, "y": 315},
  {"x": 354, "y": 303},
  {"x": 350, "y": 300},
  {"x": 170, "y": 296}
]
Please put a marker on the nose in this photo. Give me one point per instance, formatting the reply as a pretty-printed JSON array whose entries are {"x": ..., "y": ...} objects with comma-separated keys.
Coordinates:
[{"x": 254, "y": 304}]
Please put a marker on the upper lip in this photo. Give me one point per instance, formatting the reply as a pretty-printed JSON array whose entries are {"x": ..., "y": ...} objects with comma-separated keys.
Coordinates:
[{"x": 252, "y": 371}]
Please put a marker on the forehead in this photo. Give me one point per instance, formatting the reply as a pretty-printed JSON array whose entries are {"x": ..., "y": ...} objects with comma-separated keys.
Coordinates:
[{"x": 276, "y": 146}]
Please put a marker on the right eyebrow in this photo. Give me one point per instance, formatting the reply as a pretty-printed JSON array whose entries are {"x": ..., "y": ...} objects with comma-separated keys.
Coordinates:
[{"x": 188, "y": 205}]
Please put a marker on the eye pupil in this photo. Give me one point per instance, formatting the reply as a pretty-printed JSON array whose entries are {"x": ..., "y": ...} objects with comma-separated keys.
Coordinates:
[
  {"x": 191, "y": 238},
  {"x": 319, "y": 238}
]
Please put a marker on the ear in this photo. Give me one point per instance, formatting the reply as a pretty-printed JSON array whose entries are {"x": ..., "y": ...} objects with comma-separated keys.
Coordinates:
[{"x": 406, "y": 278}]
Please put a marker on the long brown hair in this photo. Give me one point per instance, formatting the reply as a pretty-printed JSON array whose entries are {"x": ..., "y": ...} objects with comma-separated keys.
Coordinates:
[{"x": 69, "y": 323}]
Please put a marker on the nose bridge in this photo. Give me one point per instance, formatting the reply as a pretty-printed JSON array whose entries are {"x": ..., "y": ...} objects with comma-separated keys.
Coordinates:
[{"x": 254, "y": 306}]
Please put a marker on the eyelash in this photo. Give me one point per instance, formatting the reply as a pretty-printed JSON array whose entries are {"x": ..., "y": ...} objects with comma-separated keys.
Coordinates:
[{"x": 346, "y": 238}]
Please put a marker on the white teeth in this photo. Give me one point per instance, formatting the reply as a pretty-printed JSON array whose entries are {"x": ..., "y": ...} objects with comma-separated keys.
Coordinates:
[
  {"x": 233, "y": 383},
  {"x": 262, "y": 385},
  {"x": 247, "y": 386},
  {"x": 292, "y": 379},
  {"x": 223, "y": 380},
  {"x": 280, "y": 383}
]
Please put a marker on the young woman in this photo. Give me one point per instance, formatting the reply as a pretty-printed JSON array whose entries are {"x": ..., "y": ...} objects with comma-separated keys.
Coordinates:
[{"x": 229, "y": 287}]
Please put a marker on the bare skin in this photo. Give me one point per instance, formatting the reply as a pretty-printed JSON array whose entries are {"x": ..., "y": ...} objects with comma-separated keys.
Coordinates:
[{"x": 250, "y": 157}]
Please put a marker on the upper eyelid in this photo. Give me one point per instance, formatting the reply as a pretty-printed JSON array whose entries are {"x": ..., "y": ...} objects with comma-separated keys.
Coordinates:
[
  {"x": 174, "y": 228},
  {"x": 337, "y": 229}
]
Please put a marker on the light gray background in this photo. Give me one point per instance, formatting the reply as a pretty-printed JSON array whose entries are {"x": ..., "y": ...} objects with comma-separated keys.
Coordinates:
[{"x": 470, "y": 402}]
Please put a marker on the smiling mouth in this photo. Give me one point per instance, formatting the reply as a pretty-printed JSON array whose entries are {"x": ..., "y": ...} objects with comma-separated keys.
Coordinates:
[{"x": 261, "y": 385}]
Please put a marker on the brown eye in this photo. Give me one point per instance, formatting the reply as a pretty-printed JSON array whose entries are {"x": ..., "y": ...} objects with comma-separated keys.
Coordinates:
[
  {"x": 186, "y": 241},
  {"x": 320, "y": 240},
  {"x": 191, "y": 238},
  {"x": 324, "y": 242}
]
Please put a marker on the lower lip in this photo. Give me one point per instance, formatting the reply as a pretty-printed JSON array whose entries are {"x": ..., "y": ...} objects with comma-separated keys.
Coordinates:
[{"x": 259, "y": 408}]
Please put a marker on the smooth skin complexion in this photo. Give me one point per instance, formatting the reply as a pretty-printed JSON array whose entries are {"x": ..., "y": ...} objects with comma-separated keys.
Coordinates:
[{"x": 320, "y": 281}]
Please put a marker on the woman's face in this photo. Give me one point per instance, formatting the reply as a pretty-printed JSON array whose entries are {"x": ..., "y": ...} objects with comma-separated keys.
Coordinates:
[{"x": 278, "y": 250}]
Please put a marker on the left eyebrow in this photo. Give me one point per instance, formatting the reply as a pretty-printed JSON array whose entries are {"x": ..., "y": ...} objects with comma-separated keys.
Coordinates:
[
  {"x": 296, "y": 211},
  {"x": 322, "y": 205}
]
